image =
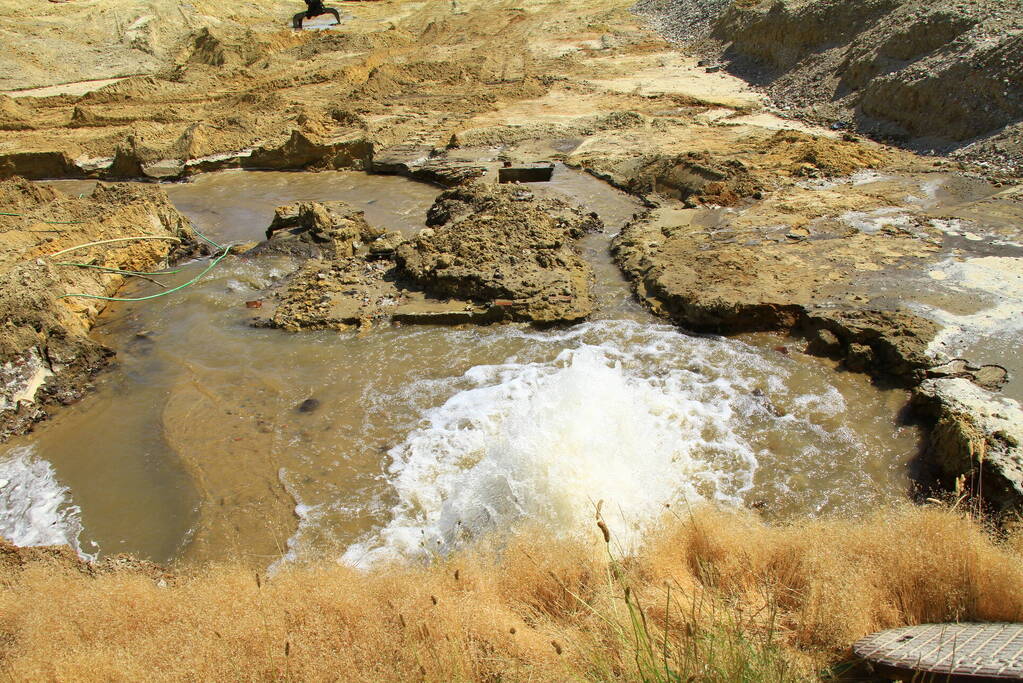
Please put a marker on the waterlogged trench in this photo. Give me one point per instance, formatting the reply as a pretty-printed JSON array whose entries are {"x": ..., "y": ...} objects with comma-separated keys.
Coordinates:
[{"x": 216, "y": 440}]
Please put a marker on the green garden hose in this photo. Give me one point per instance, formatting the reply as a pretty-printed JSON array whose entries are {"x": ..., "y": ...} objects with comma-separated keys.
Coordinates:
[
  {"x": 198, "y": 277},
  {"x": 223, "y": 249}
]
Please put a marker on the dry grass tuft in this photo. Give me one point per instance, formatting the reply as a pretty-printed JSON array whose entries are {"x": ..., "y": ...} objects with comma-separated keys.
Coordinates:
[{"x": 715, "y": 596}]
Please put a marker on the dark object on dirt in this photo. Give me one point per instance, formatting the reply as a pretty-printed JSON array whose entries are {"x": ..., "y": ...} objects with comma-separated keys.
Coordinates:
[
  {"x": 309, "y": 405},
  {"x": 957, "y": 652},
  {"x": 316, "y": 9},
  {"x": 526, "y": 174}
]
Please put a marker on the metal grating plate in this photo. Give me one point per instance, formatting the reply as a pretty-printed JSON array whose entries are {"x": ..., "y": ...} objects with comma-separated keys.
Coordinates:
[{"x": 993, "y": 651}]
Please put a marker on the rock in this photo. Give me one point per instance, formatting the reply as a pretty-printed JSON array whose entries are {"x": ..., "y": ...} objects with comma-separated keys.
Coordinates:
[
  {"x": 308, "y": 406},
  {"x": 977, "y": 434},
  {"x": 488, "y": 242},
  {"x": 384, "y": 246},
  {"x": 991, "y": 377},
  {"x": 317, "y": 229},
  {"x": 860, "y": 357},
  {"x": 823, "y": 342}
]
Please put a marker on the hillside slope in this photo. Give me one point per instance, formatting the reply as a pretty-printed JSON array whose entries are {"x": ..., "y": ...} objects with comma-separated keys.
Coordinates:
[{"x": 944, "y": 74}]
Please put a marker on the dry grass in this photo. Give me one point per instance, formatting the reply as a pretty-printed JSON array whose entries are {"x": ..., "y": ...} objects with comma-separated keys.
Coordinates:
[{"x": 715, "y": 596}]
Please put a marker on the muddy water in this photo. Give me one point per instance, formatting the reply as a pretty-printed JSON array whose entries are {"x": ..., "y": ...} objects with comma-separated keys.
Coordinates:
[{"x": 215, "y": 439}]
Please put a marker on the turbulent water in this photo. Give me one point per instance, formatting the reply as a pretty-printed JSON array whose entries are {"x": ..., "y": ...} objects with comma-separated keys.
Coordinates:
[
  {"x": 34, "y": 508},
  {"x": 637, "y": 416},
  {"x": 424, "y": 437}
]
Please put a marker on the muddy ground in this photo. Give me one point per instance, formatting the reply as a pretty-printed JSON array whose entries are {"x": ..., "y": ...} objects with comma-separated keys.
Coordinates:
[{"x": 900, "y": 265}]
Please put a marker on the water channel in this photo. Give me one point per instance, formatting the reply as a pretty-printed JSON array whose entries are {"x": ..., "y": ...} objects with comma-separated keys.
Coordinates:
[{"x": 408, "y": 440}]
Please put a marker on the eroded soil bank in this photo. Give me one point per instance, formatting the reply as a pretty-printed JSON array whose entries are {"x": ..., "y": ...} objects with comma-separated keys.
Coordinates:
[
  {"x": 46, "y": 355},
  {"x": 932, "y": 75}
]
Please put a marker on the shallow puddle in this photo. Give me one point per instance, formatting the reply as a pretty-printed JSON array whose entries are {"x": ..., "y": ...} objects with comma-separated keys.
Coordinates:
[{"x": 214, "y": 439}]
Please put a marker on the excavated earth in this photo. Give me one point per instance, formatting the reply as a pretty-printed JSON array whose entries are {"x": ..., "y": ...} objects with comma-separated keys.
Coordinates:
[
  {"x": 934, "y": 75},
  {"x": 491, "y": 253},
  {"x": 46, "y": 355},
  {"x": 900, "y": 265}
]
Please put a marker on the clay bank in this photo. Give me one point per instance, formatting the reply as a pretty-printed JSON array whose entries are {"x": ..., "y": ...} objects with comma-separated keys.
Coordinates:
[{"x": 452, "y": 354}]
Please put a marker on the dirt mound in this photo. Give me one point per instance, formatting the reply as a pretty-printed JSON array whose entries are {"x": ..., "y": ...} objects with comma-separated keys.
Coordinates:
[
  {"x": 800, "y": 154},
  {"x": 45, "y": 355},
  {"x": 500, "y": 242},
  {"x": 212, "y": 50},
  {"x": 134, "y": 88}
]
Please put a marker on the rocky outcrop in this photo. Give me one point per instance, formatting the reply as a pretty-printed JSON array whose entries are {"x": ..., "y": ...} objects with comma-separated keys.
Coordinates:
[
  {"x": 491, "y": 254},
  {"x": 866, "y": 270},
  {"x": 419, "y": 162},
  {"x": 902, "y": 68},
  {"x": 977, "y": 435},
  {"x": 504, "y": 243},
  {"x": 46, "y": 356},
  {"x": 327, "y": 230},
  {"x": 732, "y": 279}
]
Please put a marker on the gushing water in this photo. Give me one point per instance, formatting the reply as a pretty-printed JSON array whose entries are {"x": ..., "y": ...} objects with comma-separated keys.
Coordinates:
[
  {"x": 34, "y": 508},
  {"x": 637, "y": 416}
]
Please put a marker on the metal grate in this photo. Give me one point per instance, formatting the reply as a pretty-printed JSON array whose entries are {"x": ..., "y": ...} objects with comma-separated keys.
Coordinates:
[{"x": 993, "y": 651}]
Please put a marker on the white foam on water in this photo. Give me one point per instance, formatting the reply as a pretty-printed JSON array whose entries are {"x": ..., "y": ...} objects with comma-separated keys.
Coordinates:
[
  {"x": 35, "y": 509},
  {"x": 308, "y": 515},
  {"x": 639, "y": 423}
]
